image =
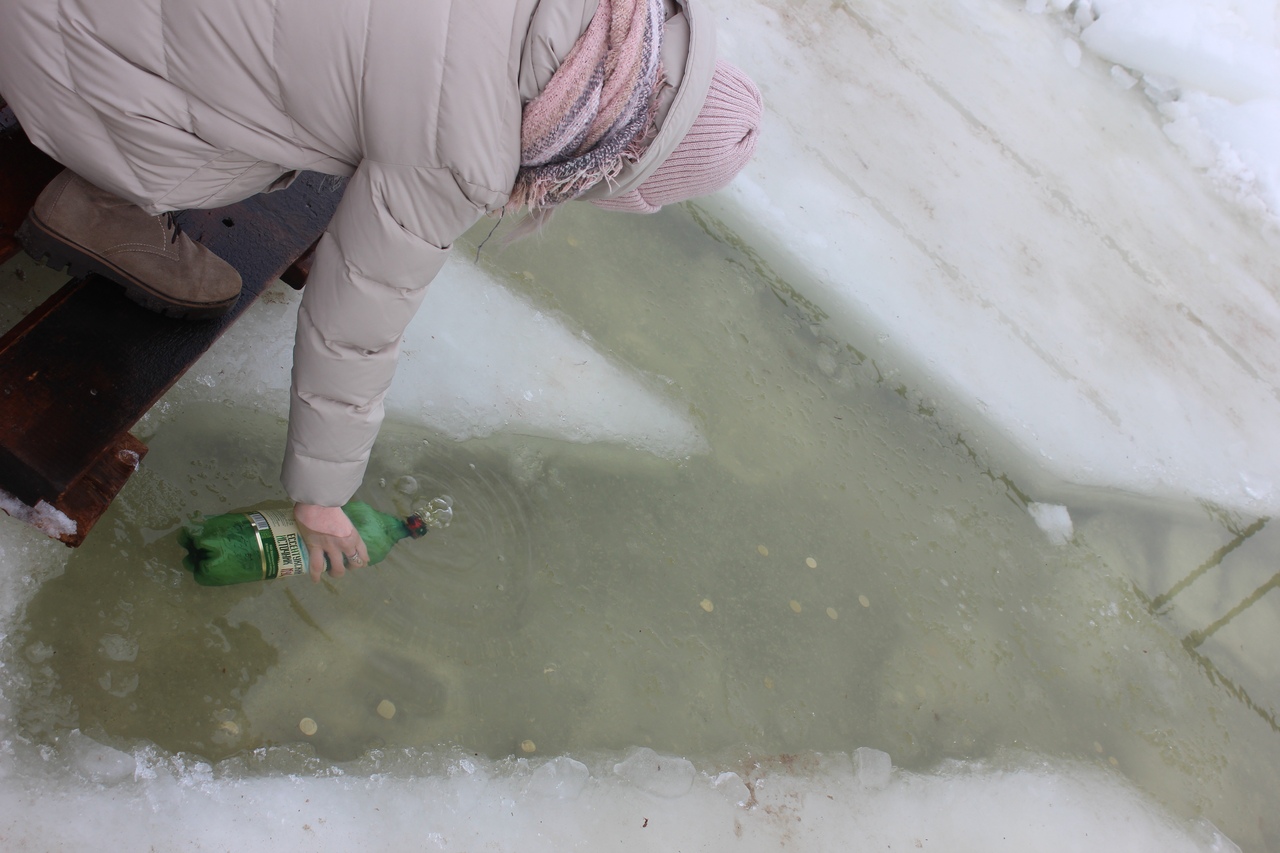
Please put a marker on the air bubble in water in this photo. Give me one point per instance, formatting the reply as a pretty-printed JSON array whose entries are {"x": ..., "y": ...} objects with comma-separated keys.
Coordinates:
[
  {"x": 406, "y": 485},
  {"x": 438, "y": 512}
]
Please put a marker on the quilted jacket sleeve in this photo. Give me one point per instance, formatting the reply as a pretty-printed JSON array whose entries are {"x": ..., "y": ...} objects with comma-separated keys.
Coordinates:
[{"x": 388, "y": 239}]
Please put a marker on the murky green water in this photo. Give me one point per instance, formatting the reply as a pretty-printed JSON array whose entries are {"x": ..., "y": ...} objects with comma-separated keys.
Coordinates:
[{"x": 841, "y": 570}]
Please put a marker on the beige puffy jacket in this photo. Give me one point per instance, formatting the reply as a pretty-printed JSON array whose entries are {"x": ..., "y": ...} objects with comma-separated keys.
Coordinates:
[{"x": 178, "y": 104}]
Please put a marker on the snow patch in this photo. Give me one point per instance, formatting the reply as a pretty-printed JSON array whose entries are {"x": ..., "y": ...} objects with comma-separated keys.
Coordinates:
[
  {"x": 1225, "y": 48},
  {"x": 1214, "y": 70},
  {"x": 42, "y": 516},
  {"x": 1238, "y": 144}
]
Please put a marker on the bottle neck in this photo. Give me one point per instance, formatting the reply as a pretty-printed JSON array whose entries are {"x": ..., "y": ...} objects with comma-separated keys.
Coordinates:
[
  {"x": 417, "y": 526},
  {"x": 437, "y": 512}
]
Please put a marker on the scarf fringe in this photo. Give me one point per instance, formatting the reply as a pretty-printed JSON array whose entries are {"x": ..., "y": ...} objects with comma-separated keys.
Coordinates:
[
  {"x": 539, "y": 189},
  {"x": 554, "y": 168}
]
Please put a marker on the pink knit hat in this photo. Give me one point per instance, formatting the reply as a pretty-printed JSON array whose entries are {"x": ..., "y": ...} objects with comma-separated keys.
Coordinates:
[{"x": 718, "y": 145}]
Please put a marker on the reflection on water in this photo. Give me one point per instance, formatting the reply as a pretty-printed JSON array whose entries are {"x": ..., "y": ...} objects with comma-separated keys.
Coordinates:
[{"x": 840, "y": 571}]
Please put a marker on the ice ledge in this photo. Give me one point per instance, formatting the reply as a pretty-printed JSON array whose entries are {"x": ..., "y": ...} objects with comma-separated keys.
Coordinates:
[
  {"x": 644, "y": 801},
  {"x": 1041, "y": 253}
]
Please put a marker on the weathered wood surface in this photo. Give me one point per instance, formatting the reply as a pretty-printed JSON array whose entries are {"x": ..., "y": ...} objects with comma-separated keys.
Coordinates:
[{"x": 79, "y": 371}]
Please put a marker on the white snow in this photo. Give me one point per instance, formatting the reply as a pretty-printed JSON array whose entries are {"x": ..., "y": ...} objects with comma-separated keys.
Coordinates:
[
  {"x": 42, "y": 516},
  {"x": 1225, "y": 62},
  {"x": 1235, "y": 143},
  {"x": 106, "y": 798},
  {"x": 1223, "y": 48}
]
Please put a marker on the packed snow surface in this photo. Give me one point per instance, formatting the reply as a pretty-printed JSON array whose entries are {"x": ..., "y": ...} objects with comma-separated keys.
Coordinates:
[{"x": 638, "y": 801}]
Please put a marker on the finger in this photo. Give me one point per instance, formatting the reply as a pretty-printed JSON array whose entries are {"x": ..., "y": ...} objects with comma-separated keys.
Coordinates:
[
  {"x": 315, "y": 562},
  {"x": 359, "y": 549},
  {"x": 354, "y": 551},
  {"x": 337, "y": 563}
]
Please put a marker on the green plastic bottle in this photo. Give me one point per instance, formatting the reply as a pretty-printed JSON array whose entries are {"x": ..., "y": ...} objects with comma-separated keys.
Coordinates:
[{"x": 262, "y": 544}]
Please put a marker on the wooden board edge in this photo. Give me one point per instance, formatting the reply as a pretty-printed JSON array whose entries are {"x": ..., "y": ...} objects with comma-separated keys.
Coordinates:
[
  {"x": 84, "y": 502},
  {"x": 88, "y": 497}
]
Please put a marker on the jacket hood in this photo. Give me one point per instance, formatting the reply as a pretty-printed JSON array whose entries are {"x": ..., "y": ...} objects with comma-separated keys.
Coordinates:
[{"x": 689, "y": 62}]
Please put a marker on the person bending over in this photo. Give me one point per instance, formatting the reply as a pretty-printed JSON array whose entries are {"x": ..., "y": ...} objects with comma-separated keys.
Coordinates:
[{"x": 439, "y": 111}]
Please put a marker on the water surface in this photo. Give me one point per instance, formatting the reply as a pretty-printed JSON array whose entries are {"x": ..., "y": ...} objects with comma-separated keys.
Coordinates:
[{"x": 844, "y": 568}]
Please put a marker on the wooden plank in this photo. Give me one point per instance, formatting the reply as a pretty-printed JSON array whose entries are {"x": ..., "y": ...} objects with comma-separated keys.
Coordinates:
[
  {"x": 296, "y": 275},
  {"x": 89, "y": 496},
  {"x": 79, "y": 371}
]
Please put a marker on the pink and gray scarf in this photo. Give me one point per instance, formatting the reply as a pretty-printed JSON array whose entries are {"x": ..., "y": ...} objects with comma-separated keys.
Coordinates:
[{"x": 594, "y": 114}]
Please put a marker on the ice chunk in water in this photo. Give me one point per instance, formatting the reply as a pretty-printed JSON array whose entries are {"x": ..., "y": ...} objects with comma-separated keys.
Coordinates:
[
  {"x": 120, "y": 686},
  {"x": 872, "y": 767},
  {"x": 660, "y": 775},
  {"x": 1054, "y": 520},
  {"x": 560, "y": 778},
  {"x": 732, "y": 786},
  {"x": 39, "y": 652},
  {"x": 118, "y": 648}
]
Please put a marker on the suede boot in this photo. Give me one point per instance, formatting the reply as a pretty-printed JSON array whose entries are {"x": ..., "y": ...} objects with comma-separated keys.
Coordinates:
[{"x": 87, "y": 230}]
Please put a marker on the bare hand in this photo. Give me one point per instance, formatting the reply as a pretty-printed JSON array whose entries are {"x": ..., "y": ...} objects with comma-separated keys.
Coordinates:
[{"x": 329, "y": 534}]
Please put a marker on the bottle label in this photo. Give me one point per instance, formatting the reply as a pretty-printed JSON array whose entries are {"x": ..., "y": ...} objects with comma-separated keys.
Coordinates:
[{"x": 289, "y": 547}]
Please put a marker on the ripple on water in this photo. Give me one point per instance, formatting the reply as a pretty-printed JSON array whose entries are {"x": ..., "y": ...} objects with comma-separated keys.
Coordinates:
[{"x": 474, "y": 573}]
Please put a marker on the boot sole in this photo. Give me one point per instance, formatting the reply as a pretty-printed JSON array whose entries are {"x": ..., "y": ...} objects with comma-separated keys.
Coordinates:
[{"x": 47, "y": 247}]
